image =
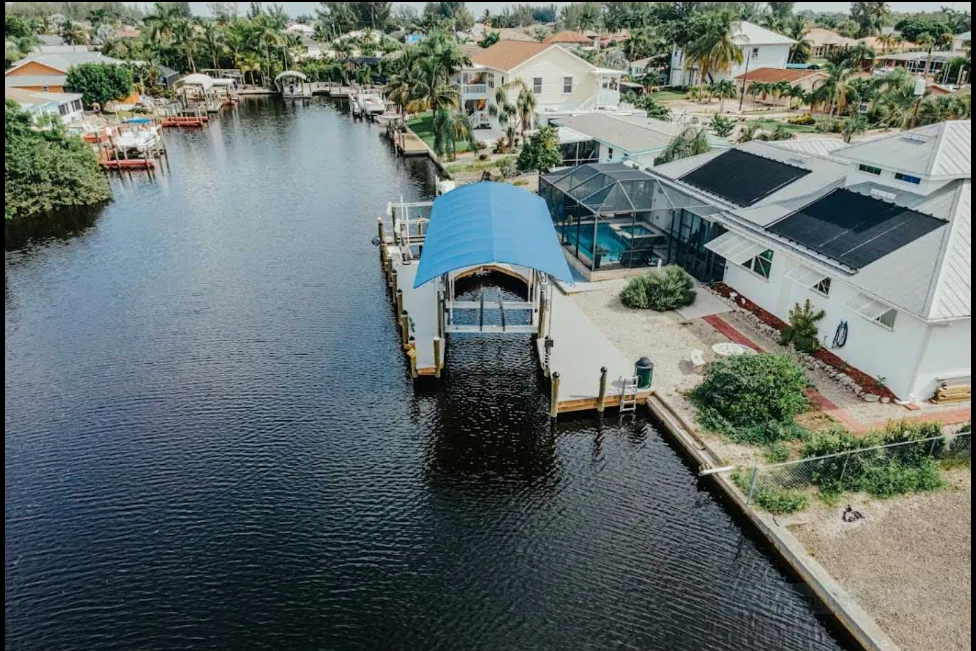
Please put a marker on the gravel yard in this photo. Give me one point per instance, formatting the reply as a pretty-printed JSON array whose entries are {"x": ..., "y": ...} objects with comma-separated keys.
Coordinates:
[{"x": 908, "y": 562}]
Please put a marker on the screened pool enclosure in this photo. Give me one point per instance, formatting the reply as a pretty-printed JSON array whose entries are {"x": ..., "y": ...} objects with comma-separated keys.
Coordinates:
[{"x": 612, "y": 217}]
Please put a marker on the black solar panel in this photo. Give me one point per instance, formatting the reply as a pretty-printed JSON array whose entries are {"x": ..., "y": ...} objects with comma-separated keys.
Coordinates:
[
  {"x": 853, "y": 228},
  {"x": 743, "y": 178}
]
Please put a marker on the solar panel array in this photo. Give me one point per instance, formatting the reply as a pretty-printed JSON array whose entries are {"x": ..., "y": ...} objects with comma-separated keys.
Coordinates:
[
  {"x": 853, "y": 228},
  {"x": 743, "y": 178}
]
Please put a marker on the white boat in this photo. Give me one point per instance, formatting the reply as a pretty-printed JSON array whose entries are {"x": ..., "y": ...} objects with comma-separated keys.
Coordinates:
[{"x": 137, "y": 141}]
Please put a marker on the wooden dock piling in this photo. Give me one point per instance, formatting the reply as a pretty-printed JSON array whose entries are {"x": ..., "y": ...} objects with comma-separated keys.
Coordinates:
[
  {"x": 405, "y": 327},
  {"x": 438, "y": 357},
  {"x": 412, "y": 355},
  {"x": 601, "y": 402},
  {"x": 399, "y": 300},
  {"x": 554, "y": 396}
]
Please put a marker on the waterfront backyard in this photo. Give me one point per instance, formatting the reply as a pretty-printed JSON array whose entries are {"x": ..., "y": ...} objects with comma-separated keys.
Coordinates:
[{"x": 208, "y": 416}]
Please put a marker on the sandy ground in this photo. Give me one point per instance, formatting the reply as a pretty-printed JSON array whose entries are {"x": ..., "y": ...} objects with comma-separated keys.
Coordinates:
[{"x": 908, "y": 562}]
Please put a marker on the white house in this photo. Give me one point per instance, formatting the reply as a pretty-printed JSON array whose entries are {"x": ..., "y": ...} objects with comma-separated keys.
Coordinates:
[
  {"x": 561, "y": 81},
  {"x": 877, "y": 234},
  {"x": 65, "y": 106},
  {"x": 761, "y": 48}
]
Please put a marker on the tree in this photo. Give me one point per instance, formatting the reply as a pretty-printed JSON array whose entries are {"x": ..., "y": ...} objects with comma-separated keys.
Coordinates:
[
  {"x": 73, "y": 33},
  {"x": 541, "y": 151},
  {"x": 212, "y": 41},
  {"x": 161, "y": 22},
  {"x": 723, "y": 126},
  {"x": 801, "y": 332},
  {"x": 453, "y": 15},
  {"x": 870, "y": 17},
  {"x": 912, "y": 28},
  {"x": 715, "y": 51},
  {"x": 525, "y": 105},
  {"x": 185, "y": 42},
  {"x": 838, "y": 90},
  {"x": 449, "y": 128},
  {"x": 99, "y": 82},
  {"x": 504, "y": 111},
  {"x": 854, "y": 125},
  {"x": 668, "y": 289},
  {"x": 690, "y": 142},
  {"x": 723, "y": 90},
  {"x": 580, "y": 16},
  {"x": 490, "y": 39},
  {"x": 45, "y": 170}
]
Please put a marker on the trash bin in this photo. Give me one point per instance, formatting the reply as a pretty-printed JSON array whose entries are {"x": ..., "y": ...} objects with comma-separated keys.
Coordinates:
[{"x": 644, "y": 370}]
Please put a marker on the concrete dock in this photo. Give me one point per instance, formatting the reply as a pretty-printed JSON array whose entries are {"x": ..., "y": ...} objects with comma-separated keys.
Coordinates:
[
  {"x": 578, "y": 353},
  {"x": 421, "y": 307}
]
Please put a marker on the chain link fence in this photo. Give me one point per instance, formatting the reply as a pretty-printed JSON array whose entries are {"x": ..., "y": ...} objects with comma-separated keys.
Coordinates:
[{"x": 883, "y": 470}]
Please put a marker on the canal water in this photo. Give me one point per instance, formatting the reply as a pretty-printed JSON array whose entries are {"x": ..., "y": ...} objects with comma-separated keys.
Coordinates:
[{"x": 211, "y": 441}]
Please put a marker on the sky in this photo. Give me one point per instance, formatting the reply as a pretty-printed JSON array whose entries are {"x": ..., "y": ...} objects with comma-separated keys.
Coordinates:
[{"x": 297, "y": 8}]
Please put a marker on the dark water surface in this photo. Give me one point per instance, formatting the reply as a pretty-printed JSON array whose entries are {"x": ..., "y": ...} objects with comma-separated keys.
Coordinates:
[{"x": 211, "y": 441}]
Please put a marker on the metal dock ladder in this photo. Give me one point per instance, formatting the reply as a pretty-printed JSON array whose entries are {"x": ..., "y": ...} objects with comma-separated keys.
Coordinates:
[{"x": 628, "y": 394}]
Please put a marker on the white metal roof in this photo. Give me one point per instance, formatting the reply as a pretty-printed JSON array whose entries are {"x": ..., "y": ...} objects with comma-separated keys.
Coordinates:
[
  {"x": 734, "y": 247},
  {"x": 823, "y": 147},
  {"x": 942, "y": 150},
  {"x": 626, "y": 135},
  {"x": 953, "y": 295},
  {"x": 20, "y": 81},
  {"x": 63, "y": 60},
  {"x": 746, "y": 33}
]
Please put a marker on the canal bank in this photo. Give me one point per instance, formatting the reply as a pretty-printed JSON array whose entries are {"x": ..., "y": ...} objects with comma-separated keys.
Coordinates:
[{"x": 211, "y": 439}]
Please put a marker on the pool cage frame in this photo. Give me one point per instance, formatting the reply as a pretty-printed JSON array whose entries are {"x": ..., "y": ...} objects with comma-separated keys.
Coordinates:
[{"x": 613, "y": 219}]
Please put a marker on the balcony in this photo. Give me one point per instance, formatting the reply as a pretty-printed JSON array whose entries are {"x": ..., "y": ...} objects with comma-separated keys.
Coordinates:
[{"x": 474, "y": 89}]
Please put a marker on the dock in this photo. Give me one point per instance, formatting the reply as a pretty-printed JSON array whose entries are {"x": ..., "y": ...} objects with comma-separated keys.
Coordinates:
[{"x": 585, "y": 369}]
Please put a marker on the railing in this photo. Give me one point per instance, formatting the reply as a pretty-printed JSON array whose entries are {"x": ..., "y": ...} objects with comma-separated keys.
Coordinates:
[
  {"x": 479, "y": 118},
  {"x": 474, "y": 89}
]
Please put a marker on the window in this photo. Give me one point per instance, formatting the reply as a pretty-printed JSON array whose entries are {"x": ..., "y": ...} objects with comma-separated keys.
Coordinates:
[
  {"x": 823, "y": 287},
  {"x": 870, "y": 170},
  {"x": 609, "y": 153},
  {"x": 45, "y": 89},
  {"x": 755, "y": 52},
  {"x": 537, "y": 85},
  {"x": 888, "y": 319},
  {"x": 907, "y": 178},
  {"x": 567, "y": 85},
  {"x": 761, "y": 265},
  {"x": 491, "y": 80}
]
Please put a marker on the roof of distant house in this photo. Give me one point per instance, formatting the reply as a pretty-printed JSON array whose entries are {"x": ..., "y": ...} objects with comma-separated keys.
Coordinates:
[
  {"x": 21, "y": 81},
  {"x": 773, "y": 75},
  {"x": 63, "y": 61},
  {"x": 24, "y": 96},
  {"x": 747, "y": 33},
  {"x": 818, "y": 36},
  {"x": 50, "y": 39},
  {"x": 965, "y": 36},
  {"x": 127, "y": 32},
  {"x": 640, "y": 63},
  {"x": 512, "y": 34},
  {"x": 506, "y": 55},
  {"x": 573, "y": 38},
  {"x": 634, "y": 135}
]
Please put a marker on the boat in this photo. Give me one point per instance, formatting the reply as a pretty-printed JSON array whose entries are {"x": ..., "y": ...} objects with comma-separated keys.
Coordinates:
[{"x": 138, "y": 141}]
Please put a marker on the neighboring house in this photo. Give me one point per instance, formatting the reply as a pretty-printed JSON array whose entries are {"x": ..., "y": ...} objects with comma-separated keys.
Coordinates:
[
  {"x": 915, "y": 62},
  {"x": 300, "y": 29},
  {"x": 761, "y": 48},
  {"x": 50, "y": 39},
  {"x": 66, "y": 106},
  {"x": 822, "y": 41},
  {"x": 561, "y": 81},
  {"x": 313, "y": 49},
  {"x": 962, "y": 41},
  {"x": 639, "y": 67},
  {"x": 806, "y": 79},
  {"x": 167, "y": 76},
  {"x": 59, "y": 49},
  {"x": 616, "y": 138},
  {"x": 47, "y": 72},
  {"x": 876, "y": 234},
  {"x": 127, "y": 33}
]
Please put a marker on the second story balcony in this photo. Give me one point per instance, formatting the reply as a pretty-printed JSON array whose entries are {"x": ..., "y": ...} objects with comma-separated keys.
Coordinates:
[{"x": 474, "y": 89}]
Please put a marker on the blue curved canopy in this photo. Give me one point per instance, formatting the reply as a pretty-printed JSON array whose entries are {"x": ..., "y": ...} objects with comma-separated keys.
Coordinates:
[{"x": 490, "y": 222}]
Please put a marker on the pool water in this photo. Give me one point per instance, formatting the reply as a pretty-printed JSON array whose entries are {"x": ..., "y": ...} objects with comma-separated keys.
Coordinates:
[
  {"x": 612, "y": 243},
  {"x": 637, "y": 231}
]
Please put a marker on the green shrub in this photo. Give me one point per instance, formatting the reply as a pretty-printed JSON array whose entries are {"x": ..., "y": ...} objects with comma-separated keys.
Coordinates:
[
  {"x": 723, "y": 126},
  {"x": 802, "y": 329},
  {"x": 662, "y": 290},
  {"x": 750, "y": 391},
  {"x": 776, "y": 453},
  {"x": 777, "y": 501},
  {"x": 804, "y": 119}
]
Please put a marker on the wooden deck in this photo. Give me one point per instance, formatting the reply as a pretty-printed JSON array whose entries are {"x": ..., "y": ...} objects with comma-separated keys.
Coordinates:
[
  {"x": 578, "y": 353},
  {"x": 421, "y": 305}
]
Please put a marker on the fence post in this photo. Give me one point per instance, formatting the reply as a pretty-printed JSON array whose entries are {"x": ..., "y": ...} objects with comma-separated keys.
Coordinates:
[
  {"x": 752, "y": 485},
  {"x": 843, "y": 470},
  {"x": 602, "y": 400}
]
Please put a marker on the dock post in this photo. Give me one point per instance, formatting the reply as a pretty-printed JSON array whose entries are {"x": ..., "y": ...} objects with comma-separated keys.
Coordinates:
[
  {"x": 554, "y": 396},
  {"x": 438, "y": 357},
  {"x": 440, "y": 313},
  {"x": 602, "y": 400},
  {"x": 547, "y": 354},
  {"x": 393, "y": 278},
  {"x": 412, "y": 355},
  {"x": 379, "y": 232},
  {"x": 542, "y": 316},
  {"x": 399, "y": 301},
  {"x": 405, "y": 327}
]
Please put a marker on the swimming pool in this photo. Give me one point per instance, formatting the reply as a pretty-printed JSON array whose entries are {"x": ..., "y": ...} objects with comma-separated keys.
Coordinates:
[
  {"x": 607, "y": 238},
  {"x": 637, "y": 230}
]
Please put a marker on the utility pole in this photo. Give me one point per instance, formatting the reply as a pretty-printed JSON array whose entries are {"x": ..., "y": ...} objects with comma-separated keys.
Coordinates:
[{"x": 745, "y": 80}]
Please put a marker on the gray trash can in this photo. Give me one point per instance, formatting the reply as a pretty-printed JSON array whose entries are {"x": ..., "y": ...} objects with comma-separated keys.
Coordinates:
[{"x": 644, "y": 370}]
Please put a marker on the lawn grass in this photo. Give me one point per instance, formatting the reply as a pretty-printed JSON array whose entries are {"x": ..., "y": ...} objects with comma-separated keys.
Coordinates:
[
  {"x": 668, "y": 95},
  {"x": 769, "y": 125},
  {"x": 422, "y": 124}
]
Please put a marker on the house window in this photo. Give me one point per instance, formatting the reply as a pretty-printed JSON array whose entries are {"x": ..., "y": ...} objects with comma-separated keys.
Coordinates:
[
  {"x": 755, "y": 52},
  {"x": 567, "y": 85},
  {"x": 609, "y": 153},
  {"x": 868, "y": 169},
  {"x": 537, "y": 85},
  {"x": 491, "y": 80},
  {"x": 888, "y": 319},
  {"x": 823, "y": 287},
  {"x": 45, "y": 89},
  {"x": 761, "y": 265},
  {"x": 907, "y": 178}
]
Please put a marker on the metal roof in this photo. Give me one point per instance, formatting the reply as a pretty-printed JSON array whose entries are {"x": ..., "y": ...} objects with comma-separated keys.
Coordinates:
[
  {"x": 942, "y": 150},
  {"x": 490, "y": 222},
  {"x": 64, "y": 60},
  {"x": 20, "y": 81},
  {"x": 624, "y": 135},
  {"x": 746, "y": 33},
  {"x": 953, "y": 294},
  {"x": 823, "y": 147}
]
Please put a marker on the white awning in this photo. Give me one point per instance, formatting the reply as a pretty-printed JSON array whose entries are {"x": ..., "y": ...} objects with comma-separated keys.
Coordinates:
[
  {"x": 806, "y": 276},
  {"x": 867, "y": 306},
  {"x": 735, "y": 248}
]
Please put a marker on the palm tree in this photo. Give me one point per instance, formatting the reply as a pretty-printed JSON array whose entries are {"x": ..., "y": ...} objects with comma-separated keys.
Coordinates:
[
  {"x": 162, "y": 21},
  {"x": 715, "y": 51},
  {"x": 212, "y": 40},
  {"x": 267, "y": 36},
  {"x": 927, "y": 41},
  {"x": 796, "y": 92},
  {"x": 504, "y": 111},
  {"x": 185, "y": 41},
  {"x": 748, "y": 131},
  {"x": 525, "y": 105},
  {"x": 838, "y": 89},
  {"x": 887, "y": 42},
  {"x": 690, "y": 142},
  {"x": 449, "y": 128},
  {"x": 854, "y": 125},
  {"x": 723, "y": 90}
]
